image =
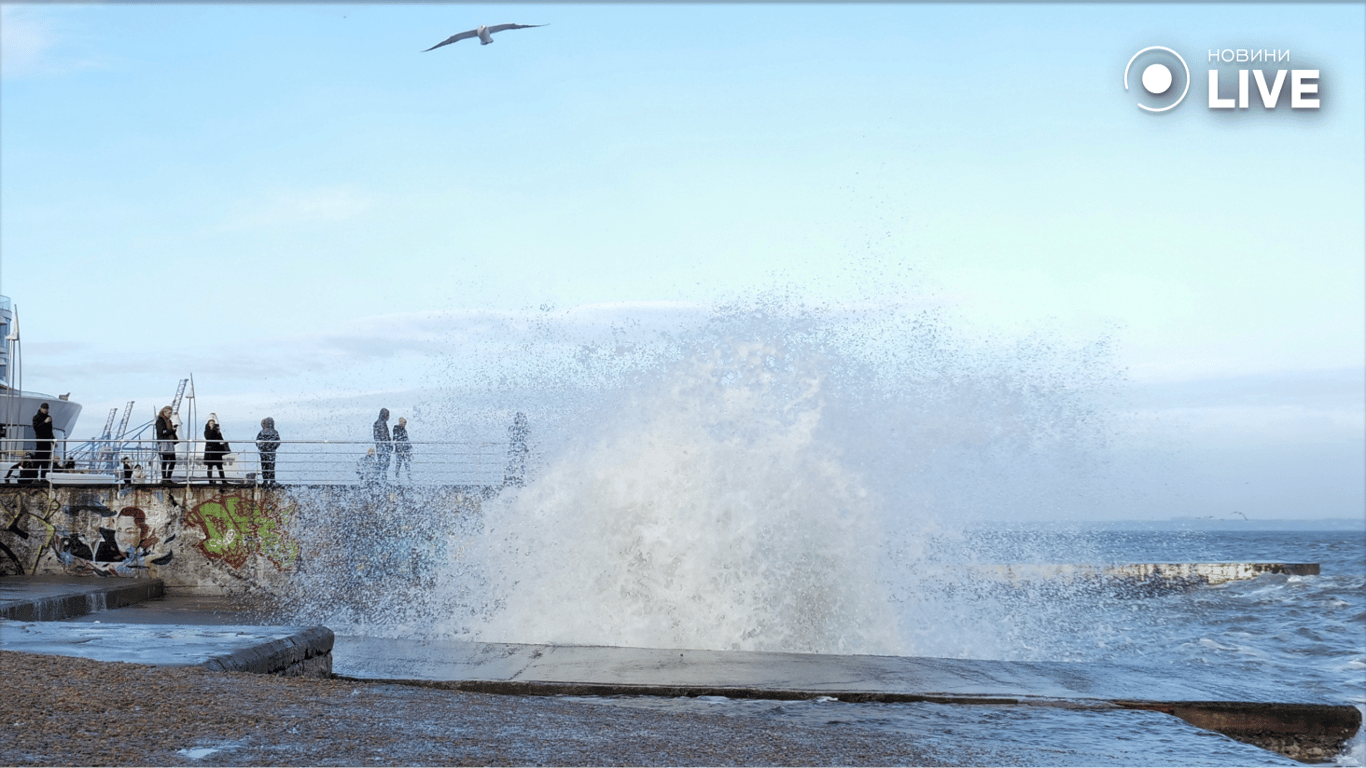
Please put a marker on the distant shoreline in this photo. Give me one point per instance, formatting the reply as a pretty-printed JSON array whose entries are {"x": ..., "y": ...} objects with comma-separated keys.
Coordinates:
[{"x": 1326, "y": 524}]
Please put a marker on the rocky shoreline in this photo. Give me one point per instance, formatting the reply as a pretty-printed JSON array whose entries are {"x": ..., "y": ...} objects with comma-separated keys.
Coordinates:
[{"x": 63, "y": 711}]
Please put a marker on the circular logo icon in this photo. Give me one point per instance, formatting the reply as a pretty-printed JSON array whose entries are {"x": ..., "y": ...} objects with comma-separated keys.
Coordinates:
[{"x": 1161, "y": 74}]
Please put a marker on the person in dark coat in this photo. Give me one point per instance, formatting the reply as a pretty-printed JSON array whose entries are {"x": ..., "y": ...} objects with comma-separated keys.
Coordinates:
[
  {"x": 166, "y": 440},
  {"x": 268, "y": 442},
  {"x": 403, "y": 450},
  {"x": 215, "y": 448},
  {"x": 383, "y": 447},
  {"x": 42, "y": 431}
]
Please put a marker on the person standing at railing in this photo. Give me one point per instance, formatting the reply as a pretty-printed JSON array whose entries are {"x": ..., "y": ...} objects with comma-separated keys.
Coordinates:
[
  {"x": 403, "y": 450},
  {"x": 215, "y": 448},
  {"x": 127, "y": 471},
  {"x": 267, "y": 442},
  {"x": 42, "y": 431},
  {"x": 166, "y": 440},
  {"x": 383, "y": 447},
  {"x": 367, "y": 469},
  {"x": 517, "y": 451}
]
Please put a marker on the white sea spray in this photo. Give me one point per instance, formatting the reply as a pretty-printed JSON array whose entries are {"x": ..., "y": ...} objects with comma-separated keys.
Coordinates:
[{"x": 783, "y": 478}]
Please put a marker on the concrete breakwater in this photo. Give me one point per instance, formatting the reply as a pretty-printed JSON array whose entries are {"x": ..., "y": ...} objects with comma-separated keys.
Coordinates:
[{"x": 1173, "y": 574}]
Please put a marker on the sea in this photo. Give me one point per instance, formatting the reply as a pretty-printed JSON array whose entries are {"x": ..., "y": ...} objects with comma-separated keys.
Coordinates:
[{"x": 796, "y": 479}]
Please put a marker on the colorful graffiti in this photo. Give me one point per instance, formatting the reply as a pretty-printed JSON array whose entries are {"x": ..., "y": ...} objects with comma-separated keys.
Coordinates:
[
  {"x": 118, "y": 531},
  {"x": 235, "y": 528},
  {"x": 229, "y": 539}
]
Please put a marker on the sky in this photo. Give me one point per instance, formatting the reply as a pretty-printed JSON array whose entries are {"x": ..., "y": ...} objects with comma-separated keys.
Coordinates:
[{"x": 297, "y": 206}]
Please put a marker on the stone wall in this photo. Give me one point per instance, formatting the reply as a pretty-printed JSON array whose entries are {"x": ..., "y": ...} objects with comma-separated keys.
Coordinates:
[{"x": 220, "y": 539}]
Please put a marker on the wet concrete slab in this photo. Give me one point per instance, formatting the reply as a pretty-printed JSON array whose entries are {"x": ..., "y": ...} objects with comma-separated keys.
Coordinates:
[
  {"x": 288, "y": 651},
  {"x": 53, "y": 598},
  {"x": 1273, "y": 717},
  {"x": 177, "y": 607},
  {"x": 868, "y": 678},
  {"x": 96, "y": 619}
]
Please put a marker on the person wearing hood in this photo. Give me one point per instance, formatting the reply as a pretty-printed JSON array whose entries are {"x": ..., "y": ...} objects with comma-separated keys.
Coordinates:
[
  {"x": 268, "y": 442},
  {"x": 383, "y": 447},
  {"x": 215, "y": 448},
  {"x": 166, "y": 440}
]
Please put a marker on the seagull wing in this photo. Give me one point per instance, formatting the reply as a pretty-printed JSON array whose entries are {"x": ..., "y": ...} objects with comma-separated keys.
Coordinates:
[
  {"x": 505, "y": 27},
  {"x": 455, "y": 38}
]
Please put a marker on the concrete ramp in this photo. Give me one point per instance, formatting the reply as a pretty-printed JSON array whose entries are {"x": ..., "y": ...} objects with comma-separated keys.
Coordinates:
[{"x": 1268, "y": 716}]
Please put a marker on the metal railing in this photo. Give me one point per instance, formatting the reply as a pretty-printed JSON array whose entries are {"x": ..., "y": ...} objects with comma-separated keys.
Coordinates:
[{"x": 296, "y": 462}]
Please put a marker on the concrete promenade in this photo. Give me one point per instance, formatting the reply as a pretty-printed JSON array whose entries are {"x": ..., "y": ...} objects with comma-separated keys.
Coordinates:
[{"x": 1282, "y": 720}]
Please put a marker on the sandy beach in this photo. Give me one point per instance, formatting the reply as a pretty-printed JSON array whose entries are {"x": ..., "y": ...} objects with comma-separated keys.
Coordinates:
[{"x": 69, "y": 711}]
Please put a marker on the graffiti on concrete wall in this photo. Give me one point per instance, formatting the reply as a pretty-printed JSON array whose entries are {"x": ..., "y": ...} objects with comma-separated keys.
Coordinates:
[
  {"x": 136, "y": 532},
  {"x": 234, "y": 538},
  {"x": 28, "y": 531},
  {"x": 82, "y": 534},
  {"x": 125, "y": 545},
  {"x": 236, "y": 528}
]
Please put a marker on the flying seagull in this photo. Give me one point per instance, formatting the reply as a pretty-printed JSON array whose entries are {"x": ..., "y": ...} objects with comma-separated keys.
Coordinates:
[{"x": 485, "y": 34}]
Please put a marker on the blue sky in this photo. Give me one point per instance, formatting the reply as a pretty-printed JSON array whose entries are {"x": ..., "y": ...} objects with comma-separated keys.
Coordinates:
[{"x": 287, "y": 199}]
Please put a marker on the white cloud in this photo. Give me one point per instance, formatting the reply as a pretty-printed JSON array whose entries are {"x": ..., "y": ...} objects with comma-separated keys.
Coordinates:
[
  {"x": 316, "y": 205},
  {"x": 34, "y": 40},
  {"x": 25, "y": 39}
]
